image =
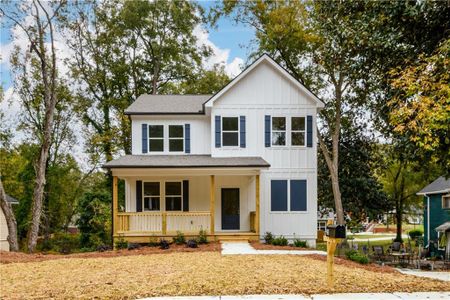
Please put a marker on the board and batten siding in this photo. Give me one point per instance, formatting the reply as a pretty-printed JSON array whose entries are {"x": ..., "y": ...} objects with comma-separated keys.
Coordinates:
[
  {"x": 199, "y": 132},
  {"x": 265, "y": 91},
  {"x": 4, "y": 245}
]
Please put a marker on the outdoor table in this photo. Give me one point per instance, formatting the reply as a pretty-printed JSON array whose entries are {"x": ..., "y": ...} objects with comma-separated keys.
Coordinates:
[{"x": 403, "y": 258}]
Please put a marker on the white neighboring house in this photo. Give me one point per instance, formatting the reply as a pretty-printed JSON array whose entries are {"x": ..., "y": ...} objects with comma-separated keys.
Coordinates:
[
  {"x": 4, "y": 232},
  {"x": 236, "y": 164}
]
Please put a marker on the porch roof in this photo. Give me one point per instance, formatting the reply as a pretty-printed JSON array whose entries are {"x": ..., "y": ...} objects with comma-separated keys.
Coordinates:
[
  {"x": 167, "y": 105},
  {"x": 185, "y": 161}
]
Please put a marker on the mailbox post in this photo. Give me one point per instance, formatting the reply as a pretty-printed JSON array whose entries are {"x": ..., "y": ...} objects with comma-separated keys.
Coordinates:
[{"x": 334, "y": 235}]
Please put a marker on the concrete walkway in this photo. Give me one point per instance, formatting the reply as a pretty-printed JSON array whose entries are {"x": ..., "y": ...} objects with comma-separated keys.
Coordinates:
[
  {"x": 445, "y": 276},
  {"x": 352, "y": 296},
  {"x": 244, "y": 248}
]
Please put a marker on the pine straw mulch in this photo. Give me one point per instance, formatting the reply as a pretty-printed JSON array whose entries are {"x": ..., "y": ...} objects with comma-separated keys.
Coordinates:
[
  {"x": 15, "y": 257},
  {"x": 202, "y": 273}
]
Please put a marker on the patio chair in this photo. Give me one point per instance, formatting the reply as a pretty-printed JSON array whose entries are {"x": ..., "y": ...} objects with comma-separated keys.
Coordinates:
[
  {"x": 396, "y": 246},
  {"x": 378, "y": 254}
]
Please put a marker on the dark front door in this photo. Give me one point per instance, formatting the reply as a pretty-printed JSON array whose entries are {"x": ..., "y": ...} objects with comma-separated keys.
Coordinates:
[{"x": 230, "y": 209}]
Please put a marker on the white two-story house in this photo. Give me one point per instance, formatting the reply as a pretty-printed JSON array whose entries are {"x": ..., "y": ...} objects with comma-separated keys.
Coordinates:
[{"x": 236, "y": 164}]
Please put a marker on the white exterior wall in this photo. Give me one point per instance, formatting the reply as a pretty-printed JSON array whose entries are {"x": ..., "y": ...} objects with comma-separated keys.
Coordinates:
[
  {"x": 4, "y": 245},
  {"x": 200, "y": 132},
  {"x": 264, "y": 91}
]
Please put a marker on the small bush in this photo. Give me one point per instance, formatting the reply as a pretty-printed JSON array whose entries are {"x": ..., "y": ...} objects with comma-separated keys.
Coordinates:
[
  {"x": 132, "y": 246},
  {"x": 300, "y": 244},
  {"x": 121, "y": 244},
  {"x": 268, "y": 238},
  {"x": 419, "y": 241},
  {"x": 65, "y": 243},
  {"x": 192, "y": 244},
  {"x": 415, "y": 233},
  {"x": 153, "y": 241},
  {"x": 164, "y": 244},
  {"x": 102, "y": 248},
  {"x": 179, "y": 239},
  {"x": 280, "y": 241},
  {"x": 357, "y": 257},
  {"x": 202, "y": 237}
]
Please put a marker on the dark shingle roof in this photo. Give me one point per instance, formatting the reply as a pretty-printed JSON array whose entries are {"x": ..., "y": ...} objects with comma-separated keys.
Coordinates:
[
  {"x": 11, "y": 200},
  {"x": 185, "y": 161},
  {"x": 167, "y": 104},
  {"x": 440, "y": 185}
]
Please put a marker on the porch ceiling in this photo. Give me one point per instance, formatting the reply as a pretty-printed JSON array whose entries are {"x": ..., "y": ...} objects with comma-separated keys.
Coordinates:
[{"x": 185, "y": 162}]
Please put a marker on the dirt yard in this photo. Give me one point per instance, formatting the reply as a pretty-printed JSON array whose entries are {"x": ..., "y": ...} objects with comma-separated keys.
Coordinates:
[{"x": 200, "y": 273}]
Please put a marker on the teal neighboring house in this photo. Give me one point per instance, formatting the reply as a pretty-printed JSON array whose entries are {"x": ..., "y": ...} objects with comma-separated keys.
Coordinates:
[{"x": 437, "y": 213}]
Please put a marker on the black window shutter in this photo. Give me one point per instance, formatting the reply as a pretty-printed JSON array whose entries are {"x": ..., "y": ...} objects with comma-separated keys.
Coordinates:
[
  {"x": 242, "y": 131},
  {"x": 218, "y": 131},
  {"x": 185, "y": 195},
  {"x": 138, "y": 195},
  {"x": 267, "y": 130},
  {"x": 278, "y": 195},
  {"x": 144, "y": 138},
  {"x": 298, "y": 195},
  {"x": 187, "y": 138},
  {"x": 309, "y": 131}
]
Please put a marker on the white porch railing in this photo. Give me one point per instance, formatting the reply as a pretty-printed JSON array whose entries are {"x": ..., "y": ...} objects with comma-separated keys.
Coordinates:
[{"x": 163, "y": 222}]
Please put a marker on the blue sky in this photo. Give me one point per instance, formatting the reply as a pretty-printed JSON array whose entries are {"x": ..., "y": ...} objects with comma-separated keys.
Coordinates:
[{"x": 227, "y": 36}]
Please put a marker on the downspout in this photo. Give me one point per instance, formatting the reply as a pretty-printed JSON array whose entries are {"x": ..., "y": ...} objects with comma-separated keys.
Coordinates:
[{"x": 428, "y": 220}]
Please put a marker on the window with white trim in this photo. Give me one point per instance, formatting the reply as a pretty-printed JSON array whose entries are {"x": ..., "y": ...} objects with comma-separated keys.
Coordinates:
[
  {"x": 176, "y": 138},
  {"x": 156, "y": 138},
  {"x": 446, "y": 201},
  {"x": 152, "y": 196},
  {"x": 174, "y": 196},
  {"x": 298, "y": 131},
  {"x": 278, "y": 131},
  {"x": 230, "y": 131}
]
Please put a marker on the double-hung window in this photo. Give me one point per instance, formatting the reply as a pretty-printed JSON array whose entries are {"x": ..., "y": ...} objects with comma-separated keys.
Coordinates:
[
  {"x": 176, "y": 138},
  {"x": 298, "y": 133},
  {"x": 156, "y": 138},
  {"x": 152, "y": 196},
  {"x": 288, "y": 195},
  {"x": 446, "y": 201},
  {"x": 174, "y": 196},
  {"x": 230, "y": 131},
  {"x": 278, "y": 131}
]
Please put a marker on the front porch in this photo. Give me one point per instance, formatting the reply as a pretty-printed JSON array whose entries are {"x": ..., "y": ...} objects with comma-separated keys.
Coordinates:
[{"x": 204, "y": 212}]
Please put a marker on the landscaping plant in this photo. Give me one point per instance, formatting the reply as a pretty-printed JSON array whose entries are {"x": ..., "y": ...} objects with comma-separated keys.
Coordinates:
[
  {"x": 192, "y": 244},
  {"x": 179, "y": 239},
  {"x": 300, "y": 244},
  {"x": 356, "y": 256},
  {"x": 268, "y": 238},
  {"x": 121, "y": 244},
  {"x": 164, "y": 244},
  {"x": 202, "y": 237},
  {"x": 280, "y": 241}
]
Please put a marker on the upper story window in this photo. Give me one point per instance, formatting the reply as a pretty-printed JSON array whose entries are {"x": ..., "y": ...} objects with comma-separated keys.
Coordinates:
[
  {"x": 298, "y": 133},
  {"x": 156, "y": 138},
  {"x": 176, "y": 138},
  {"x": 446, "y": 201},
  {"x": 230, "y": 131},
  {"x": 152, "y": 196},
  {"x": 278, "y": 131}
]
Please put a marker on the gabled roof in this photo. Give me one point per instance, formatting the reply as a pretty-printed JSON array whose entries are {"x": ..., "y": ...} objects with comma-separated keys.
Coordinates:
[
  {"x": 167, "y": 105},
  {"x": 439, "y": 186},
  {"x": 185, "y": 161},
  {"x": 11, "y": 200},
  {"x": 278, "y": 67}
]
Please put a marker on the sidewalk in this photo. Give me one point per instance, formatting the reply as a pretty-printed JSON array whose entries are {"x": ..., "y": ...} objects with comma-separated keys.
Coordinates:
[
  {"x": 244, "y": 248},
  {"x": 352, "y": 296},
  {"x": 445, "y": 276}
]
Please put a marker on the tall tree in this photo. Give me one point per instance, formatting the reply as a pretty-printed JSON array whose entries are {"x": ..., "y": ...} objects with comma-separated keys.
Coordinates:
[
  {"x": 11, "y": 222},
  {"x": 36, "y": 19}
]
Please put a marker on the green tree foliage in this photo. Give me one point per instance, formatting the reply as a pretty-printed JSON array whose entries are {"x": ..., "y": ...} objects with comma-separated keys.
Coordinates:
[{"x": 362, "y": 194}]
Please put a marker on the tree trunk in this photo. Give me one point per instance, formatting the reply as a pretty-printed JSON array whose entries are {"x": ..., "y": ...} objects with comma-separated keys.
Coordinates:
[
  {"x": 398, "y": 219},
  {"x": 10, "y": 219}
]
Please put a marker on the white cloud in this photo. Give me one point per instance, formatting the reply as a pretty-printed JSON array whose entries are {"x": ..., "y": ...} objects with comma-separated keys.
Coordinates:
[{"x": 219, "y": 56}]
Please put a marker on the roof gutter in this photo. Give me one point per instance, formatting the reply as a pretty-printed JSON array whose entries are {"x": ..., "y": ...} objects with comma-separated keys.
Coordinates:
[{"x": 433, "y": 192}]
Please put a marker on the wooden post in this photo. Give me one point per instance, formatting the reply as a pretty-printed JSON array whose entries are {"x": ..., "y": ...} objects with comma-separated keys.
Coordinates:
[
  {"x": 257, "y": 214},
  {"x": 115, "y": 207},
  {"x": 331, "y": 248},
  {"x": 164, "y": 223},
  {"x": 212, "y": 203}
]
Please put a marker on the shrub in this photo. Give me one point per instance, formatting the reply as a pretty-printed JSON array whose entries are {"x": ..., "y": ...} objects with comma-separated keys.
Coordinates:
[
  {"x": 268, "y": 237},
  {"x": 164, "y": 244},
  {"x": 299, "y": 243},
  {"x": 415, "y": 233},
  {"x": 192, "y": 244},
  {"x": 132, "y": 246},
  {"x": 280, "y": 241},
  {"x": 102, "y": 248},
  {"x": 121, "y": 244},
  {"x": 357, "y": 257},
  {"x": 65, "y": 243},
  {"x": 153, "y": 241},
  {"x": 179, "y": 239},
  {"x": 202, "y": 237}
]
